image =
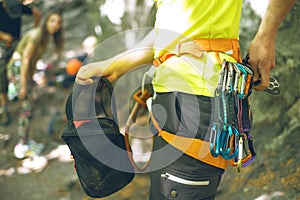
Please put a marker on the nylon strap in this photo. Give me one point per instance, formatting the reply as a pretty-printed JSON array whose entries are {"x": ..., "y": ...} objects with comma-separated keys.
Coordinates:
[
  {"x": 199, "y": 46},
  {"x": 195, "y": 148}
]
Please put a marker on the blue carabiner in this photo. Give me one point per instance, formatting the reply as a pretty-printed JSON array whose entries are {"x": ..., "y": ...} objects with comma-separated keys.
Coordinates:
[
  {"x": 241, "y": 68},
  {"x": 215, "y": 144},
  {"x": 224, "y": 150},
  {"x": 232, "y": 132}
]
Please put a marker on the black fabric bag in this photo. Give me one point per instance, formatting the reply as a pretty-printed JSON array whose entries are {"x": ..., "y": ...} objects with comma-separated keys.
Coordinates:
[{"x": 97, "y": 146}]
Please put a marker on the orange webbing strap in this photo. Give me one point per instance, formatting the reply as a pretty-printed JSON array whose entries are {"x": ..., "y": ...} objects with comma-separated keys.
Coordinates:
[
  {"x": 228, "y": 46},
  {"x": 195, "y": 148},
  {"x": 140, "y": 98},
  {"x": 199, "y": 46},
  {"x": 163, "y": 58}
]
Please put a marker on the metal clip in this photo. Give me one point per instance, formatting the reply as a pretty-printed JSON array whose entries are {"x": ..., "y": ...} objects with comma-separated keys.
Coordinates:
[
  {"x": 237, "y": 76},
  {"x": 229, "y": 81},
  {"x": 221, "y": 76},
  {"x": 214, "y": 140},
  {"x": 225, "y": 73},
  {"x": 229, "y": 150},
  {"x": 242, "y": 83}
]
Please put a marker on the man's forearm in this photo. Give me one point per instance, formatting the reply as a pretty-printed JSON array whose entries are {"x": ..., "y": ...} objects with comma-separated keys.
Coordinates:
[
  {"x": 118, "y": 65},
  {"x": 262, "y": 47},
  {"x": 275, "y": 13}
]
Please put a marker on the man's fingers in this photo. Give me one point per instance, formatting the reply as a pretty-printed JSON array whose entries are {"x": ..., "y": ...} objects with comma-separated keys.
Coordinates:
[
  {"x": 265, "y": 77},
  {"x": 256, "y": 73},
  {"x": 254, "y": 66},
  {"x": 84, "y": 81},
  {"x": 84, "y": 75},
  {"x": 258, "y": 87},
  {"x": 85, "y": 72}
]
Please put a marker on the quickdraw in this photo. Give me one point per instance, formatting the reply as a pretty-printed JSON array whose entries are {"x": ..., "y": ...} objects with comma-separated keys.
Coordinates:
[{"x": 230, "y": 131}]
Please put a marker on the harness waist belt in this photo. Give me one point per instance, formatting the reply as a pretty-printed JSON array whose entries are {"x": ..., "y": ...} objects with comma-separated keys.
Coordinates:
[
  {"x": 199, "y": 46},
  {"x": 195, "y": 148}
]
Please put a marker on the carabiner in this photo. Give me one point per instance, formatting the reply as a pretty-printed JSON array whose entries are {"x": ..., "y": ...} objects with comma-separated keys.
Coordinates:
[
  {"x": 248, "y": 151},
  {"x": 237, "y": 76},
  {"x": 224, "y": 149},
  {"x": 221, "y": 76},
  {"x": 229, "y": 81},
  {"x": 229, "y": 152},
  {"x": 240, "y": 156},
  {"x": 243, "y": 80},
  {"x": 214, "y": 140},
  {"x": 252, "y": 154},
  {"x": 248, "y": 88},
  {"x": 225, "y": 78}
]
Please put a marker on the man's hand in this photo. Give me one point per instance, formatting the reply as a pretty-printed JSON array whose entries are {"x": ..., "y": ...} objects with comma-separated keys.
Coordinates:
[
  {"x": 262, "y": 60},
  {"x": 84, "y": 76},
  {"x": 262, "y": 48},
  {"x": 87, "y": 72}
]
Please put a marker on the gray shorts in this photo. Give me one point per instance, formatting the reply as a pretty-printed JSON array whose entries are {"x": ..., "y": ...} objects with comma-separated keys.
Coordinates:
[{"x": 173, "y": 174}]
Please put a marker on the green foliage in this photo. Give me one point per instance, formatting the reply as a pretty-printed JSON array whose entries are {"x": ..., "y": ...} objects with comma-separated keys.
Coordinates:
[
  {"x": 141, "y": 16},
  {"x": 248, "y": 26}
]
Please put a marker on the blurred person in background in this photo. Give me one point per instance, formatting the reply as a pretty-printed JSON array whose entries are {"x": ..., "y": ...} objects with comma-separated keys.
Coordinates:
[
  {"x": 11, "y": 12},
  {"x": 21, "y": 68}
]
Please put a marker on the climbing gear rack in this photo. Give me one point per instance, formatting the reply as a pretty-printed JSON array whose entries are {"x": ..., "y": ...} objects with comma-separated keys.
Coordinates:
[{"x": 230, "y": 135}]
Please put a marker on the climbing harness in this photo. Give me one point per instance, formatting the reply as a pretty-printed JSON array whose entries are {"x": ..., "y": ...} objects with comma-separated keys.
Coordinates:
[
  {"x": 199, "y": 46},
  {"x": 230, "y": 130},
  {"x": 230, "y": 140}
]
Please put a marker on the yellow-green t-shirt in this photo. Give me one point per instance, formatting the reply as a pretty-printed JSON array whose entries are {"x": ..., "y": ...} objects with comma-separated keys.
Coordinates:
[{"x": 185, "y": 20}]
